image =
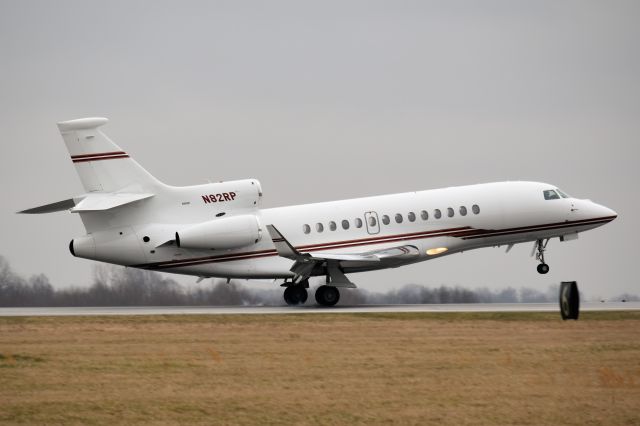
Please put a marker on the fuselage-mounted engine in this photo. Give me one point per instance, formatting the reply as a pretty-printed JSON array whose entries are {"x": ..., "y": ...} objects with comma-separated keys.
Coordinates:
[{"x": 221, "y": 234}]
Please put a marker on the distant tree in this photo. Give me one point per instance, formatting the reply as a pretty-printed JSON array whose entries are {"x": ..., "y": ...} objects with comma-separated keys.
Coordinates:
[{"x": 119, "y": 286}]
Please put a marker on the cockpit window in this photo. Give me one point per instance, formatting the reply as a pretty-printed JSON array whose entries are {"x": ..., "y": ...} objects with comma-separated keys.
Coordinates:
[
  {"x": 562, "y": 194},
  {"x": 551, "y": 194}
]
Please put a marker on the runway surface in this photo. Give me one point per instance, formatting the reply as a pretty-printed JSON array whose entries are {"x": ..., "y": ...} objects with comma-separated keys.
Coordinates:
[{"x": 253, "y": 310}]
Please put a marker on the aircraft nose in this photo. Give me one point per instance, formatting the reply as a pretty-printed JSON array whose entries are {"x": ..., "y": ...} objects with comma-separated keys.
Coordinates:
[{"x": 602, "y": 211}]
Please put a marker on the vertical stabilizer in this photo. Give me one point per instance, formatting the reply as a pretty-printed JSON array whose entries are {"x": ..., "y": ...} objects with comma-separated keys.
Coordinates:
[{"x": 101, "y": 164}]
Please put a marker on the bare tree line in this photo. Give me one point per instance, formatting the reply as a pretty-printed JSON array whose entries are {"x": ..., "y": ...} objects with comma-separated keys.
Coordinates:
[{"x": 118, "y": 286}]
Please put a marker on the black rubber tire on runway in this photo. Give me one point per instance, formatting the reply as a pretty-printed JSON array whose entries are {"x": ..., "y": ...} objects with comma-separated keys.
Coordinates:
[
  {"x": 300, "y": 294},
  {"x": 287, "y": 296},
  {"x": 295, "y": 295},
  {"x": 569, "y": 300},
  {"x": 327, "y": 295}
]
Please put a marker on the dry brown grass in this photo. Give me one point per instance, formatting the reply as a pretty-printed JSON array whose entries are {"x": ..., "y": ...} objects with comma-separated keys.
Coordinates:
[{"x": 322, "y": 369}]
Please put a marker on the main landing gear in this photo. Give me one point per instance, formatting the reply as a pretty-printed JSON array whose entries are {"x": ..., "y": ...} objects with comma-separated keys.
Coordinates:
[
  {"x": 296, "y": 294},
  {"x": 540, "y": 248},
  {"x": 327, "y": 295}
]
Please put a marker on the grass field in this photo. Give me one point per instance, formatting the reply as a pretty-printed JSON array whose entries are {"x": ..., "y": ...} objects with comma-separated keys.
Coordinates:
[{"x": 509, "y": 368}]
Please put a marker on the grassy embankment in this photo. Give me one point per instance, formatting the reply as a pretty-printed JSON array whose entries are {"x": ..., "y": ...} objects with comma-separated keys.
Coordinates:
[{"x": 447, "y": 368}]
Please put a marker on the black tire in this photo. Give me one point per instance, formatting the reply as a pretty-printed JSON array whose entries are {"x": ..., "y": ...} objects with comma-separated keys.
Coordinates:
[
  {"x": 569, "y": 300},
  {"x": 327, "y": 295},
  {"x": 287, "y": 296},
  {"x": 543, "y": 268},
  {"x": 300, "y": 294},
  {"x": 295, "y": 295}
]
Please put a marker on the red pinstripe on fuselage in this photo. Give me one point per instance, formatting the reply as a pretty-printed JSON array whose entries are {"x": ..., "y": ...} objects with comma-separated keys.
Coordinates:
[
  {"x": 465, "y": 233},
  {"x": 99, "y": 156}
]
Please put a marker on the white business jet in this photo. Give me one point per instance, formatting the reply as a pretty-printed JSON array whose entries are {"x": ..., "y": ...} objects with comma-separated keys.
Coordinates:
[{"x": 220, "y": 230}]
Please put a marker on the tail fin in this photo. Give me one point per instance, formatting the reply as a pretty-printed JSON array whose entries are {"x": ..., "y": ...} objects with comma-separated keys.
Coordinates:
[{"x": 101, "y": 164}]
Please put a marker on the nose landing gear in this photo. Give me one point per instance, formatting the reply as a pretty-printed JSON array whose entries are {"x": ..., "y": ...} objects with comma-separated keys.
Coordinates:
[
  {"x": 540, "y": 248},
  {"x": 542, "y": 268}
]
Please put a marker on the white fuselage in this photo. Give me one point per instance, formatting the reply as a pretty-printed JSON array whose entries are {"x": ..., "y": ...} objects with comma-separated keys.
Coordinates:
[
  {"x": 220, "y": 230},
  {"x": 475, "y": 216}
]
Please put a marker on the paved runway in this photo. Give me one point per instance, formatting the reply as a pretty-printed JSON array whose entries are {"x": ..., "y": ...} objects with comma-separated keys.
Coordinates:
[{"x": 252, "y": 310}]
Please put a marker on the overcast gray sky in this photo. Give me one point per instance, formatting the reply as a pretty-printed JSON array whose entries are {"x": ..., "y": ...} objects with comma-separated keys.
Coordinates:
[{"x": 333, "y": 99}]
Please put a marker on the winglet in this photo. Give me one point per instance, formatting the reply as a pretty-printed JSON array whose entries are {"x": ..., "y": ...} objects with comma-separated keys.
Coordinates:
[{"x": 283, "y": 247}]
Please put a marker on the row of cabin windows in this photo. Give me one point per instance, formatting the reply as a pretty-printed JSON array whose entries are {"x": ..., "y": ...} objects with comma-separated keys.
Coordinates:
[{"x": 411, "y": 216}]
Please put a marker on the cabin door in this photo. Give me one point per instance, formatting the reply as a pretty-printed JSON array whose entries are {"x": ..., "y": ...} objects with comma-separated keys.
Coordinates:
[{"x": 373, "y": 224}]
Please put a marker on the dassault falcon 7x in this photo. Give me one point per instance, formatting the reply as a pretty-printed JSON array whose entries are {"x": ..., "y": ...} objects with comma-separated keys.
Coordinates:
[{"x": 220, "y": 230}]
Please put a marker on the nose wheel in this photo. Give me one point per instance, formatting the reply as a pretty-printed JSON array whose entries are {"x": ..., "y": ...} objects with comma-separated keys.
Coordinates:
[
  {"x": 540, "y": 248},
  {"x": 543, "y": 268}
]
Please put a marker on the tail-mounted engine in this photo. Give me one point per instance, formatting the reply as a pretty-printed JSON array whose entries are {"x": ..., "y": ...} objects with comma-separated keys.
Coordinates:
[{"x": 220, "y": 234}]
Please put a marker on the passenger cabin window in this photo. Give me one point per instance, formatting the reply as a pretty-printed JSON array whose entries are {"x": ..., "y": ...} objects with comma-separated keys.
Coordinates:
[
  {"x": 319, "y": 227},
  {"x": 358, "y": 222},
  {"x": 424, "y": 215},
  {"x": 411, "y": 216},
  {"x": 475, "y": 209},
  {"x": 463, "y": 211},
  {"x": 345, "y": 224},
  {"x": 306, "y": 228},
  {"x": 372, "y": 221},
  {"x": 437, "y": 213},
  {"x": 450, "y": 212},
  {"x": 398, "y": 218},
  {"x": 550, "y": 194},
  {"x": 332, "y": 226},
  {"x": 385, "y": 219}
]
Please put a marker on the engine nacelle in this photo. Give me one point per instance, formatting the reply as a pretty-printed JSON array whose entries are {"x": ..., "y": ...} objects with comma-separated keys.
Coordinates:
[
  {"x": 220, "y": 234},
  {"x": 83, "y": 247}
]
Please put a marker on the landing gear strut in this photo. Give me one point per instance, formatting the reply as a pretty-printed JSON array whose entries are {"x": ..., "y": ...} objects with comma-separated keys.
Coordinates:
[
  {"x": 542, "y": 268},
  {"x": 296, "y": 294}
]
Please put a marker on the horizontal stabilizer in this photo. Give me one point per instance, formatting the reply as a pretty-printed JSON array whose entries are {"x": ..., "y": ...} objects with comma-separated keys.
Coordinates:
[
  {"x": 58, "y": 206},
  {"x": 99, "y": 202}
]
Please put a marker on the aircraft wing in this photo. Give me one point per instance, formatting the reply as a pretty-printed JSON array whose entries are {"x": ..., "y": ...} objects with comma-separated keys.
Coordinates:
[
  {"x": 285, "y": 249},
  {"x": 355, "y": 257},
  {"x": 393, "y": 253},
  {"x": 305, "y": 262}
]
